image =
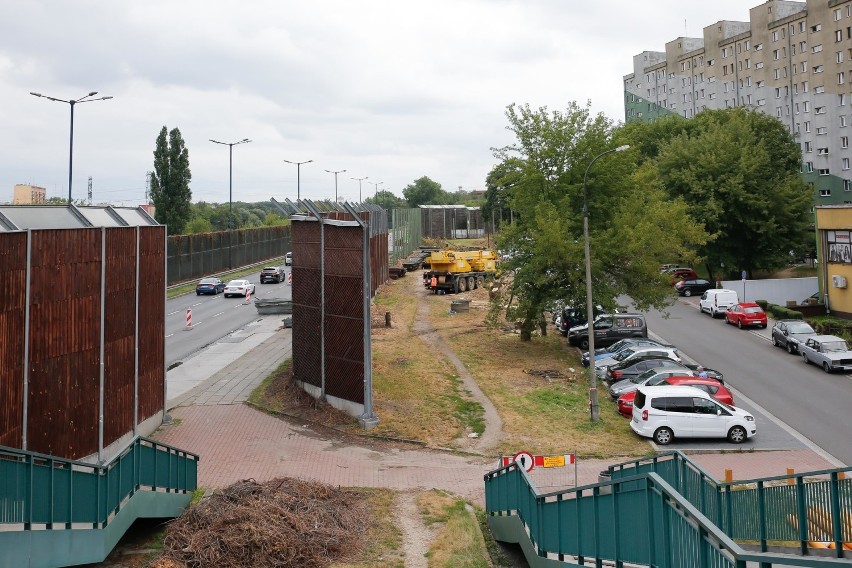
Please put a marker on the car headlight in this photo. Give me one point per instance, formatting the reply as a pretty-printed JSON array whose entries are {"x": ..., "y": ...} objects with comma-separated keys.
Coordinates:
[{"x": 749, "y": 418}]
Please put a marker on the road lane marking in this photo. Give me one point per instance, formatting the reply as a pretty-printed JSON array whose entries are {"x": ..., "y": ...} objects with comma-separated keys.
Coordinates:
[
  {"x": 219, "y": 314},
  {"x": 173, "y": 313}
]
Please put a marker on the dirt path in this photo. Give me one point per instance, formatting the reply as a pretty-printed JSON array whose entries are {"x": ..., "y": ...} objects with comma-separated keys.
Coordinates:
[
  {"x": 416, "y": 536},
  {"x": 493, "y": 433}
]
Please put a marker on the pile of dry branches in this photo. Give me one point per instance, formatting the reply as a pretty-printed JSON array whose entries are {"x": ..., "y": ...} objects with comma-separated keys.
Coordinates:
[{"x": 283, "y": 522}]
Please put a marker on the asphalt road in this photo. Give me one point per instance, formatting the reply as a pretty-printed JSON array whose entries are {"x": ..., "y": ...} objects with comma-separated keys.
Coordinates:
[
  {"x": 808, "y": 400},
  {"x": 213, "y": 317}
]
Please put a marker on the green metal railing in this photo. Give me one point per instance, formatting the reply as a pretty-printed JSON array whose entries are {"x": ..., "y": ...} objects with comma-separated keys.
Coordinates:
[
  {"x": 640, "y": 519},
  {"x": 812, "y": 509},
  {"x": 42, "y": 491}
]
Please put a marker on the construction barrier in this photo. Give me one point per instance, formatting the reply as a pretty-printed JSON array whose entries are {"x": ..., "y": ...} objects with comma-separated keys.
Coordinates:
[{"x": 188, "y": 320}]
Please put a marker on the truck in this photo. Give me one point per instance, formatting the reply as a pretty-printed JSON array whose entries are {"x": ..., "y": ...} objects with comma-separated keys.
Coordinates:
[{"x": 459, "y": 271}]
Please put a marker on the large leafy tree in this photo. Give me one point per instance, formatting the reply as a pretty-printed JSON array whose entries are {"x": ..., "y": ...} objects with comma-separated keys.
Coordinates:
[
  {"x": 170, "y": 190},
  {"x": 633, "y": 225},
  {"x": 739, "y": 172},
  {"x": 425, "y": 191},
  {"x": 386, "y": 200}
]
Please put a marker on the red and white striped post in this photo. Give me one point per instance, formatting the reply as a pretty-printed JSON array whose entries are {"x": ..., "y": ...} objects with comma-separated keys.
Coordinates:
[
  {"x": 188, "y": 320},
  {"x": 248, "y": 296},
  {"x": 290, "y": 278}
]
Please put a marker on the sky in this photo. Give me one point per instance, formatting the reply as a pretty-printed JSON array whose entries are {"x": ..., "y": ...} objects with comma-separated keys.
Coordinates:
[{"x": 389, "y": 90}]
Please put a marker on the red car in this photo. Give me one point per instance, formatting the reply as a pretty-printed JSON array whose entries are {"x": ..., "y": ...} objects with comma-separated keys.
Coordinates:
[
  {"x": 679, "y": 274},
  {"x": 713, "y": 387},
  {"x": 746, "y": 314}
]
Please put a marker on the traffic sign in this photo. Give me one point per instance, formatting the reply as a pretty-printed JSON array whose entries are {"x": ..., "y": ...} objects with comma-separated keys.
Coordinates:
[{"x": 525, "y": 460}]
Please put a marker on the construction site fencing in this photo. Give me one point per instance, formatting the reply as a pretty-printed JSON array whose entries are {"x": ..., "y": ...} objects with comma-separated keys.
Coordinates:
[
  {"x": 204, "y": 254},
  {"x": 406, "y": 234}
]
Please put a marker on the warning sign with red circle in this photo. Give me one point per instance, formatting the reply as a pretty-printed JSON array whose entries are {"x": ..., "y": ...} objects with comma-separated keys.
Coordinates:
[{"x": 525, "y": 460}]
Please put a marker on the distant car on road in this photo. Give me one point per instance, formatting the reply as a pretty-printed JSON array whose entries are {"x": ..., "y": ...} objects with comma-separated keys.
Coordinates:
[
  {"x": 746, "y": 314},
  {"x": 209, "y": 286},
  {"x": 828, "y": 351},
  {"x": 239, "y": 288},
  {"x": 790, "y": 333},
  {"x": 271, "y": 274},
  {"x": 288, "y": 259},
  {"x": 694, "y": 287}
]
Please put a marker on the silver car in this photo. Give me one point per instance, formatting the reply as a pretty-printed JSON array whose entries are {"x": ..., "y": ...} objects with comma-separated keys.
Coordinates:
[
  {"x": 630, "y": 353},
  {"x": 828, "y": 351}
]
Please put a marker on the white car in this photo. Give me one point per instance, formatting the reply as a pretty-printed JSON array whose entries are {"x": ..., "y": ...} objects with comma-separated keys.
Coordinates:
[
  {"x": 664, "y": 413},
  {"x": 717, "y": 300},
  {"x": 288, "y": 259},
  {"x": 828, "y": 351},
  {"x": 239, "y": 288}
]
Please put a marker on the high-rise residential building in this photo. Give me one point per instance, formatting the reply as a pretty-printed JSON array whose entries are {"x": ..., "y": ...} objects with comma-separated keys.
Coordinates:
[
  {"x": 26, "y": 194},
  {"x": 791, "y": 60}
]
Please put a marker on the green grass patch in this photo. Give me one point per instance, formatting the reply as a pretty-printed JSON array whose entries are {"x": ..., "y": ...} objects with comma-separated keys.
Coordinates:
[{"x": 459, "y": 542}]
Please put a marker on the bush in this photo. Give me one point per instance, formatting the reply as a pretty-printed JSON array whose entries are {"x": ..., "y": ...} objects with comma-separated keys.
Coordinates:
[
  {"x": 763, "y": 304},
  {"x": 780, "y": 312}
]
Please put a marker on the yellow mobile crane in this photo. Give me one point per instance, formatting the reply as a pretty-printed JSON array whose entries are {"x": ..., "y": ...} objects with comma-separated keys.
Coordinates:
[{"x": 454, "y": 271}]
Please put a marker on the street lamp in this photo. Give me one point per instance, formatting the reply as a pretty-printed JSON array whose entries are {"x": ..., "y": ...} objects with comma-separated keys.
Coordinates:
[
  {"x": 299, "y": 176},
  {"x": 359, "y": 180},
  {"x": 376, "y": 185},
  {"x": 230, "y": 146},
  {"x": 335, "y": 181},
  {"x": 593, "y": 380},
  {"x": 72, "y": 102}
]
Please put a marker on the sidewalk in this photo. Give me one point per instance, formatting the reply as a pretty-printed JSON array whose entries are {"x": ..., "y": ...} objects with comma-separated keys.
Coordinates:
[{"x": 235, "y": 441}]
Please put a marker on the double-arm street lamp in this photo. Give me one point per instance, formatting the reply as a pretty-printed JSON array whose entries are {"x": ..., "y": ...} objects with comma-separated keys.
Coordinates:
[
  {"x": 230, "y": 146},
  {"x": 299, "y": 176},
  {"x": 376, "y": 185},
  {"x": 359, "y": 180},
  {"x": 72, "y": 102},
  {"x": 335, "y": 181},
  {"x": 593, "y": 379}
]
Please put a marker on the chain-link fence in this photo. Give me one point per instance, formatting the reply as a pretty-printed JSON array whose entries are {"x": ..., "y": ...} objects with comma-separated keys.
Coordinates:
[{"x": 405, "y": 235}]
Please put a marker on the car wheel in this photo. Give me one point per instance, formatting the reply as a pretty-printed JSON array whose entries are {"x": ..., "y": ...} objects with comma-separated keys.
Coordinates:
[
  {"x": 584, "y": 344},
  {"x": 687, "y": 292},
  {"x": 737, "y": 435},
  {"x": 790, "y": 349},
  {"x": 227, "y": 295},
  {"x": 775, "y": 342},
  {"x": 663, "y": 436},
  {"x": 198, "y": 293},
  {"x": 826, "y": 367},
  {"x": 740, "y": 324},
  {"x": 805, "y": 358}
]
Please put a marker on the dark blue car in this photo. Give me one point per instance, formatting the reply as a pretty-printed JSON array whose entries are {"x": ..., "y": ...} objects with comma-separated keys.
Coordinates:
[{"x": 209, "y": 286}]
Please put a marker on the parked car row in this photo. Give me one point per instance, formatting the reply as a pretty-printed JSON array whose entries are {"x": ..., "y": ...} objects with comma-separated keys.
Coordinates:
[{"x": 666, "y": 398}]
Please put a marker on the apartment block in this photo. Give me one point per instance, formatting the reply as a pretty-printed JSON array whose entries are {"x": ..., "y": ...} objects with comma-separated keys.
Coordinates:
[
  {"x": 26, "y": 194},
  {"x": 792, "y": 60}
]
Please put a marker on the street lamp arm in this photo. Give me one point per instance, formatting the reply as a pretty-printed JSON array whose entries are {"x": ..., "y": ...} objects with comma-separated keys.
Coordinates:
[{"x": 595, "y": 159}]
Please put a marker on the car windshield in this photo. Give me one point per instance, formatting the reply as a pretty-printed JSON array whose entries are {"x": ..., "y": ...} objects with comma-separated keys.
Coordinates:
[
  {"x": 642, "y": 377},
  {"x": 235, "y": 283},
  {"x": 834, "y": 346},
  {"x": 800, "y": 328},
  {"x": 208, "y": 281},
  {"x": 624, "y": 354},
  {"x": 753, "y": 310}
]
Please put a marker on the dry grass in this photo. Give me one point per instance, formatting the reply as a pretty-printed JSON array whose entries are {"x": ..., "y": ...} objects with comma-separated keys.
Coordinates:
[
  {"x": 459, "y": 541},
  {"x": 383, "y": 540}
]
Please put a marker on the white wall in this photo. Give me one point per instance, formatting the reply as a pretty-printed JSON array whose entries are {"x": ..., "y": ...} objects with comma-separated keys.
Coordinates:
[{"x": 775, "y": 291}]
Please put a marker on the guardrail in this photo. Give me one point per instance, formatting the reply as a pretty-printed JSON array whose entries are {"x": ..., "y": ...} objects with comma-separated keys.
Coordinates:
[
  {"x": 640, "y": 519},
  {"x": 39, "y": 491}
]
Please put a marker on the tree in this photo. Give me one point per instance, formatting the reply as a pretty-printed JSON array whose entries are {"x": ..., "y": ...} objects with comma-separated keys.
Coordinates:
[
  {"x": 170, "y": 190},
  {"x": 386, "y": 200},
  {"x": 424, "y": 191},
  {"x": 739, "y": 172},
  {"x": 633, "y": 225},
  {"x": 198, "y": 224}
]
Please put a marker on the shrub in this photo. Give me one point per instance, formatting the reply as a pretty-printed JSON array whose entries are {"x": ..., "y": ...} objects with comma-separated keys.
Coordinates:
[
  {"x": 780, "y": 312},
  {"x": 763, "y": 304}
]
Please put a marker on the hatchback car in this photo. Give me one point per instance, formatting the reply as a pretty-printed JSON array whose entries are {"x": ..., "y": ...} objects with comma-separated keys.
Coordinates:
[
  {"x": 637, "y": 367},
  {"x": 209, "y": 286},
  {"x": 789, "y": 333},
  {"x": 635, "y": 352},
  {"x": 604, "y": 352},
  {"x": 746, "y": 314},
  {"x": 239, "y": 288},
  {"x": 714, "y": 388},
  {"x": 694, "y": 287},
  {"x": 679, "y": 274},
  {"x": 665, "y": 412}
]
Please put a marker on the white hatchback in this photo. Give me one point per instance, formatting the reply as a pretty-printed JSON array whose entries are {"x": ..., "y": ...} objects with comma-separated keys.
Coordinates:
[{"x": 666, "y": 412}]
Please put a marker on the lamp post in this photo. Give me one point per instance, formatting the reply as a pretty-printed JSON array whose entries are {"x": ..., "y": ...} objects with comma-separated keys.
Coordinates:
[
  {"x": 335, "y": 181},
  {"x": 230, "y": 146},
  {"x": 72, "y": 102},
  {"x": 593, "y": 380},
  {"x": 376, "y": 185},
  {"x": 299, "y": 176},
  {"x": 359, "y": 180}
]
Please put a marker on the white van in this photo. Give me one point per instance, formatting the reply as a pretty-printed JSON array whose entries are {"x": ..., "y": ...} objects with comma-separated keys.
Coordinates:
[
  {"x": 666, "y": 412},
  {"x": 716, "y": 301}
]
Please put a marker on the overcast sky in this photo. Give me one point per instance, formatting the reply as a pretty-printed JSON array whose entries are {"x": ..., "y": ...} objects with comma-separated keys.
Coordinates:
[{"x": 393, "y": 90}]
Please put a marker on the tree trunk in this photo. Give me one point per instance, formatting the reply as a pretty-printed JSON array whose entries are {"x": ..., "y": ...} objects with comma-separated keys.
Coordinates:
[
  {"x": 542, "y": 326},
  {"x": 527, "y": 327}
]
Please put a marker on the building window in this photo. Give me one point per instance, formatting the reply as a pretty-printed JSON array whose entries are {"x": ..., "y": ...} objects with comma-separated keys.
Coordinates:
[
  {"x": 803, "y": 46},
  {"x": 836, "y": 14},
  {"x": 839, "y": 57},
  {"x": 709, "y": 63},
  {"x": 809, "y": 146},
  {"x": 825, "y": 193},
  {"x": 841, "y": 78},
  {"x": 775, "y": 36},
  {"x": 844, "y": 141},
  {"x": 776, "y": 54},
  {"x": 819, "y": 89},
  {"x": 817, "y": 48},
  {"x": 777, "y": 92},
  {"x": 804, "y": 66},
  {"x": 819, "y": 110},
  {"x": 760, "y": 84},
  {"x": 842, "y": 121},
  {"x": 823, "y": 172},
  {"x": 804, "y": 86},
  {"x": 822, "y": 151},
  {"x": 807, "y": 126},
  {"x": 821, "y": 130},
  {"x": 761, "y": 102},
  {"x": 806, "y": 106},
  {"x": 758, "y": 46},
  {"x": 845, "y": 163},
  {"x": 724, "y": 52},
  {"x": 817, "y": 68},
  {"x": 847, "y": 185},
  {"x": 815, "y": 28},
  {"x": 778, "y": 111},
  {"x": 809, "y": 166},
  {"x": 838, "y": 35}
]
